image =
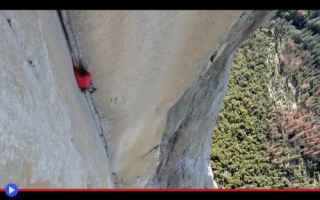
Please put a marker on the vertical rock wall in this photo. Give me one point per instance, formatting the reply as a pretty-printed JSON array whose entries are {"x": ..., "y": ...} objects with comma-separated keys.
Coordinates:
[
  {"x": 142, "y": 62},
  {"x": 156, "y": 92},
  {"x": 47, "y": 134},
  {"x": 186, "y": 144}
]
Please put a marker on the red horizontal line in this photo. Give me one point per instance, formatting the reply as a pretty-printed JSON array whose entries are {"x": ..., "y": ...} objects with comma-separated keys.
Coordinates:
[{"x": 158, "y": 190}]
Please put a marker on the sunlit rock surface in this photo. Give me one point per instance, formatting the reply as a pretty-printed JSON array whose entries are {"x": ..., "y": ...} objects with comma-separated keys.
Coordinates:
[
  {"x": 142, "y": 61},
  {"x": 158, "y": 96},
  {"x": 47, "y": 134}
]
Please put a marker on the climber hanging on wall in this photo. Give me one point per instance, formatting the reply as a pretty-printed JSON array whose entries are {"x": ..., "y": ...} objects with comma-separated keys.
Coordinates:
[{"x": 83, "y": 78}]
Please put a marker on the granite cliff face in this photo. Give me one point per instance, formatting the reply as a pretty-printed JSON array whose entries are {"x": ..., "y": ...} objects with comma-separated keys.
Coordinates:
[
  {"x": 47, "y": 133},
  {"x": 158, "y": 96}
]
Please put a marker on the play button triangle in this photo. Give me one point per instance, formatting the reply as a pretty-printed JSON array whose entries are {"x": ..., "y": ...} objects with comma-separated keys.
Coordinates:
[{"x": 11, "y": 190}]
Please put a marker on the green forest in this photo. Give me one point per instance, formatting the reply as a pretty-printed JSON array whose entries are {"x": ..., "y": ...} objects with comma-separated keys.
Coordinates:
[{"x": 267, "y": 133}]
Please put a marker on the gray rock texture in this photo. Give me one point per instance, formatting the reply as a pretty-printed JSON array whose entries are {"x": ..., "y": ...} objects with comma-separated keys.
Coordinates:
[
  {"x": 186, "y": 144},
  {"x": 158, "y": 96},
  {"x": 47, "y": 135},
  {"x": 142, "y": 62}
]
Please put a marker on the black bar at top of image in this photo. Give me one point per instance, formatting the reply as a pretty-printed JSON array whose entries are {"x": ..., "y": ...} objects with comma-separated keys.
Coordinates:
[{"x": 164, "y": 5}]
